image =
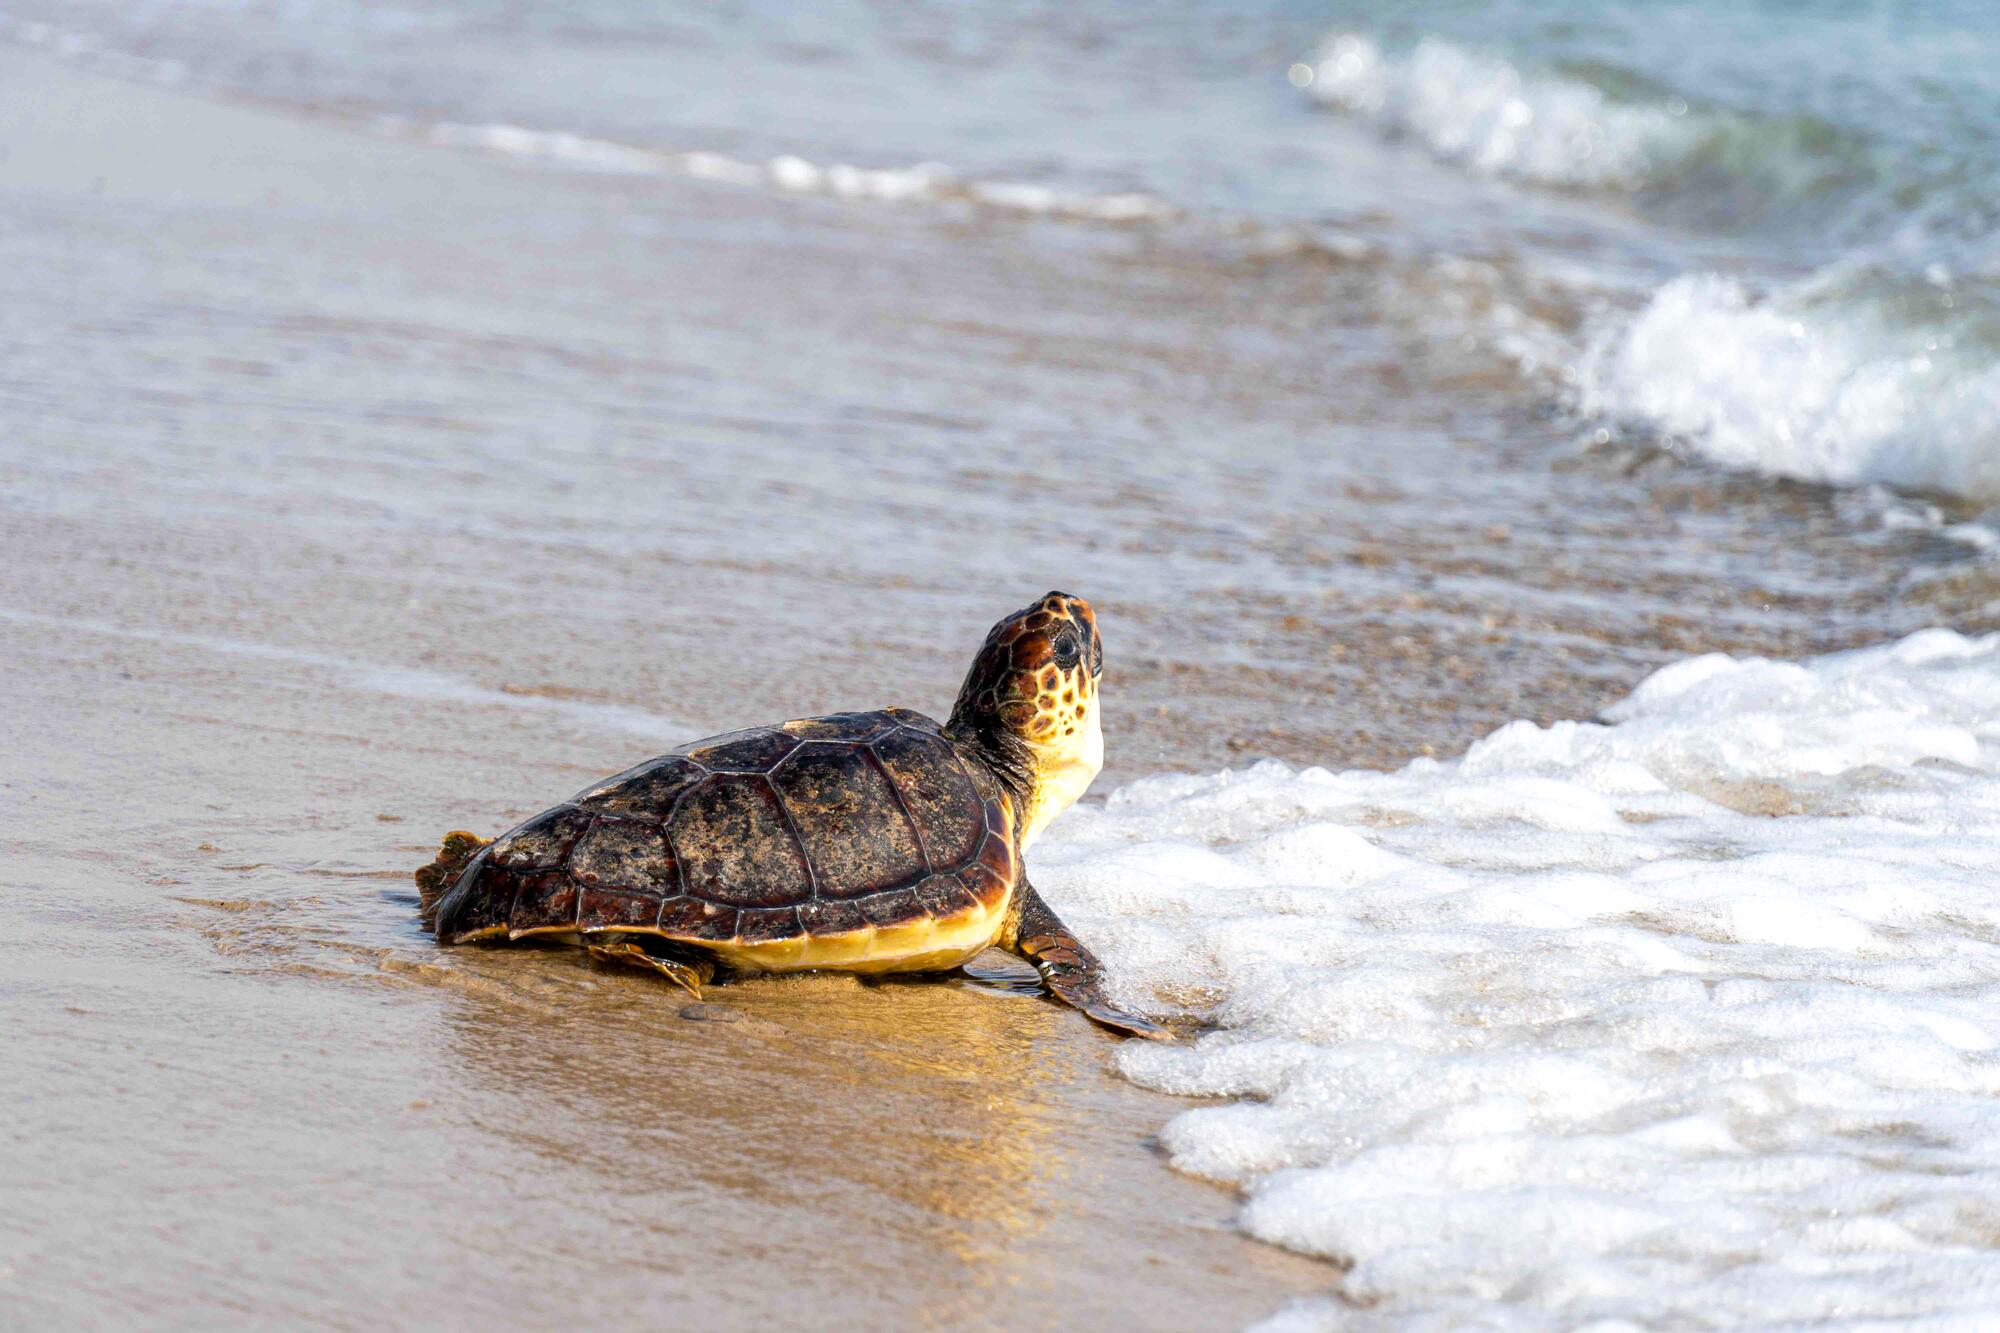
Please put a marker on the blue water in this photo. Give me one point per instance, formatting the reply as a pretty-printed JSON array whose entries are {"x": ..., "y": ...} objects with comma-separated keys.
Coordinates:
[
  {"x": 1834, "y": 168},
  {"x": 1831, "y": 123}
]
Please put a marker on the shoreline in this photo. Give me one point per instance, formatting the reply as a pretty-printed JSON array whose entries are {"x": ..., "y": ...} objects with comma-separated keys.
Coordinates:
[
  {"x": 363, "y": 490},
  {"x": 309, "y": 1112}
]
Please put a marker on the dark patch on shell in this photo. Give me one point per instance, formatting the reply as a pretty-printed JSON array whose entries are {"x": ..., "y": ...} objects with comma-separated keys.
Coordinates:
[
  {"x": 691, "y": 918},
  {"x": 940, "y": 896},
  {"x": 624, "y": 854},
  {"x": 487, "y": 907},
  {"x": 646, "y": 792},
  {"x": 545, "y": 901},
  {"x": 757, "y": 751},
  {"x": 856, "y": 835},
  {"x": 760, "y": 925},
  {"x": 998, "y": 858},
  {"x": 893, "y": 908},
  {"x": 830, "y": 916},
  {"x": 608, "y": 909},
  {"x": 939, "y": 796},
  {"x": 737, "y": 847},
  {"x": 982, "y": 884},
  {"x": 542, "y": 842}
]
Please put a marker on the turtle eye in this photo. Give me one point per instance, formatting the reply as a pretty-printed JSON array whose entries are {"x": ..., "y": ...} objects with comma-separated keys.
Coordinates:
[{"x": 1068, "y": 650}]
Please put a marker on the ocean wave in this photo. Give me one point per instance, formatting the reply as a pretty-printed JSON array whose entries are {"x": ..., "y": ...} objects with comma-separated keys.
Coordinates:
[
  {"x": 1687, "y": 1016},
  {"x": 1834, "y": 381},
  {"x": 1707, "y": 166},
  {"x": 1485, "y": 114},
  {"x": 1795, "y": 385}
]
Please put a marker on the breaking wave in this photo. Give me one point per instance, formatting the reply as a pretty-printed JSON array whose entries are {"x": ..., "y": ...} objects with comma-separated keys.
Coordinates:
[
  {"x": 1836, "y": 381},
  {"x": 1483, "y": 113},
  {"x": 1616, "y": 133}
]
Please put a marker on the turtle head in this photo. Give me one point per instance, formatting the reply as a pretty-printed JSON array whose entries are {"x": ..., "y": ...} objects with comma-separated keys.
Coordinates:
[{"x": 1030, "y": 700}]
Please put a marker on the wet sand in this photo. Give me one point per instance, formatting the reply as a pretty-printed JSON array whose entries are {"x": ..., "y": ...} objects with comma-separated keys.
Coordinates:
[{"x": 355, "y": 490}]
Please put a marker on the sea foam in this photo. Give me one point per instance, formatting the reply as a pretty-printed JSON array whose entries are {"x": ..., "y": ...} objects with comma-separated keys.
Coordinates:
[
  {"x": 1691, "y": 1015},
  {"x": 923, "y": 183},
  {"x": 1481, "y": 112}
]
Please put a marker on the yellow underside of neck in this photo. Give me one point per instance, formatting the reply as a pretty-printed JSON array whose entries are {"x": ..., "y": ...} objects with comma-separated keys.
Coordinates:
[{"x": 1062, "y": 774}]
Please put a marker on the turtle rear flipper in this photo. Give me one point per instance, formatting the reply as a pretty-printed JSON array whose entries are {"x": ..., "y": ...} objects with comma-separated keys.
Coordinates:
[
  {"x": 690, "y": 973},
  {"x": 435, "y": 880}
]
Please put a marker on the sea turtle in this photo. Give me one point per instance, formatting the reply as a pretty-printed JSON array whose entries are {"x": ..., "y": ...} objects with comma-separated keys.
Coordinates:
[{"x": 859, "y": 842}]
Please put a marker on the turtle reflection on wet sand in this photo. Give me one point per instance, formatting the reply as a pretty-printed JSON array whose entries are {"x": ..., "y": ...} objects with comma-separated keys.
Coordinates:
[{"x": 856, "y": 842}]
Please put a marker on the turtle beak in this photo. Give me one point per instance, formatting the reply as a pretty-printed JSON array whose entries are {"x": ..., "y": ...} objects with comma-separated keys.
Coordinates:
[{"x": 1093, "y": 642}]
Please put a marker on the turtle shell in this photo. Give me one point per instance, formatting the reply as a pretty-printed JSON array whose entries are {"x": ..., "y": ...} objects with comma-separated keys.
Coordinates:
[{"x": 829, "y": 841}]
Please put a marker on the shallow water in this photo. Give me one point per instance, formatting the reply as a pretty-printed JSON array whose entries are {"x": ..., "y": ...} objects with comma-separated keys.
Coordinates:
[
  {"x": 357, "y": 487},
  {"x": 1759, "y": 234}
]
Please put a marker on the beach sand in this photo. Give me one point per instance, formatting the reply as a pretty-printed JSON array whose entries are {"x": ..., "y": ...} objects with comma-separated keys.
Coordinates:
[{"x": 353, "y": 490}]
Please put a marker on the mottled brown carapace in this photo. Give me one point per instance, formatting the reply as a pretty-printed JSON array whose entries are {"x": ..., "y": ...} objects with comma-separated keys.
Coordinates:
[
  {"x": 1036, "y": 680},
  {"x": 866, "y": 842}
]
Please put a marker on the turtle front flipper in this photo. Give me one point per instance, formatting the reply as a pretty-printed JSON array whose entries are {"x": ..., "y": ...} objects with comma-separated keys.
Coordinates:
[{"x": 1070, "y": 971}]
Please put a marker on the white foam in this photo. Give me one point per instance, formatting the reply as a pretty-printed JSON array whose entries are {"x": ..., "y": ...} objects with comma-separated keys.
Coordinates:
[
  {"x": 1686, "y": 1017},
  {"x": 1484, "y": 114},
  {"x": 574, "y": 150},
  {"x": 926, "y": 182},
  {"x": 1821, "y": 391}
]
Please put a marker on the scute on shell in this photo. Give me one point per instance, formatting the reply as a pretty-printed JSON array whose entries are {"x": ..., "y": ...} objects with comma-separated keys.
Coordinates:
[
  {"x": 542, "y": 842},
  {"x": 736, "y": 846},
  {"x": 624, "y": 854},
  {"x": 646, "y": 792},
  {"x": 850, "y": 819}
]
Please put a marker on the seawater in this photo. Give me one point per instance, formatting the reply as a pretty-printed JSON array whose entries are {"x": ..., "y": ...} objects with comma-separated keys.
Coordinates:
[
  {"x": 1676, "y": 1015},
  {"x": 1763, "y": 235}
]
